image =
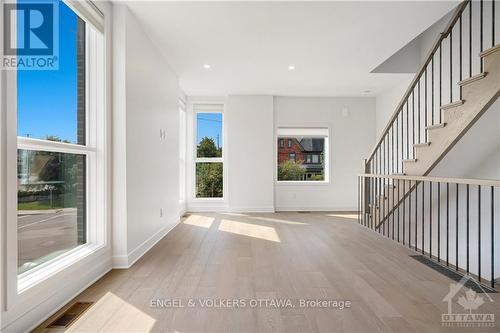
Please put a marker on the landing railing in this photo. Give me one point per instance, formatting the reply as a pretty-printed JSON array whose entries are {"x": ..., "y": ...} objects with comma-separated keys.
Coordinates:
[
  {"x": 453, "y": 58},
  {"x": 454, "y": 222}
]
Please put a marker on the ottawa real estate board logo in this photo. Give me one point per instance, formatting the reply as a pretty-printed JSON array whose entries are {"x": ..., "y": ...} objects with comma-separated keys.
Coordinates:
[
  {"x": 30, "y": 39},
  {"x": 464, "y": 305}
]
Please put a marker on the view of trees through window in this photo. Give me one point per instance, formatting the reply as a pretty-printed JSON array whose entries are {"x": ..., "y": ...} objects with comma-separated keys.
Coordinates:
[
  {"x": 301, "y": 158},
  {"x": 209, "y": 166}
]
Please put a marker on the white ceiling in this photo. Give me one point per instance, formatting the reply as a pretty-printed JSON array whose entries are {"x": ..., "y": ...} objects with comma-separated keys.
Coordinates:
[{"x": 334, "y": 45}]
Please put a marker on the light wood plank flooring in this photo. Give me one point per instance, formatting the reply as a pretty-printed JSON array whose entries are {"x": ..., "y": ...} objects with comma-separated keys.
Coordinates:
[{"x": 265, "y": 256}]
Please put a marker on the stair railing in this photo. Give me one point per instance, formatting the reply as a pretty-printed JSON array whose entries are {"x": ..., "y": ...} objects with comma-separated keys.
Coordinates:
[
  {"x": 453, "y": 55},
  {"x": 454, "y": 222}
]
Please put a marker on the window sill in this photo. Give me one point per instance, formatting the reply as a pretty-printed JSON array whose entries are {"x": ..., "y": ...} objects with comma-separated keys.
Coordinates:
[
  {"x": 302, "y": 183},
  {"x": 31, "y": 278}
]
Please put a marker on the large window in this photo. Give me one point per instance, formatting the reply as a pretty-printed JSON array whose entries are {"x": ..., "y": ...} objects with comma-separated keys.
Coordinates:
[
  {"x": 305, "y": 158},
  {"x": 57, "y": 156},
  {"x": 209, "y": 179},
  {"x": 182, "y": 151}
]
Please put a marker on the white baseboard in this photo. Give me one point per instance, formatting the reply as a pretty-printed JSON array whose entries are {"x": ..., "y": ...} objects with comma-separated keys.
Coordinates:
[
  {"x": 264, "y": 209},
  {"x": 126, "y": 261},
  {"x": 30, "y": 320},
  {"x": 313, "y": 209}
]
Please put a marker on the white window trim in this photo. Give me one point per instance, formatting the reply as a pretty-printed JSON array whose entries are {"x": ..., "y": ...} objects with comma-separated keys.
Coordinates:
[
  {"x": 300, "y": 130},
  {"x": 21, "y": 287},
  {"x": 182, "y": 155},
  {"x": 194, "y": 204},
  {"x": 209, "y": 159}
]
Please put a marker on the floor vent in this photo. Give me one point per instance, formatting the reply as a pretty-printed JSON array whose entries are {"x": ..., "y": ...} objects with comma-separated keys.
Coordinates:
[
  {"x": 70, "y": 315},
  {"x": 450, "y": 273}
]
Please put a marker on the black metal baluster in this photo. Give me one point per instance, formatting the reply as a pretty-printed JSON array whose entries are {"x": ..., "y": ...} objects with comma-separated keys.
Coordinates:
[
  {"x": 398, "y": 213},
  {"x": 493, "y": 23},
  {"x": 451, "y": 65},
  {"x": 407, "y": 132},
  {"x": 397, "y": 144},
  {"x": 467, "y": 228},
  {"x": 418, "y": 116},
  {"x": 423, "y": 216},
  {"x": 481, "y": 35},
  {"x": 416, "y": 209},
  {"x": 430, "y": 219},
  {"x": 432, "y": 97},
  {"x": 440, "y": 83},
  {"x": 392, "y": 209},
  {"x": 425, "y": 99},
  {"x": 492, "y": 237},
  {"x": 479, "y": 233},
  {"x": 447, "y": 223},
  {"x": 470, "y": 39},
  {"x": 413, "y": 122},
  {"x": 456, "y": 228},
  {"x": 404, "y": 210},
  {"x": 439, "y": 221},
  {"x": 460, "y": 54}
]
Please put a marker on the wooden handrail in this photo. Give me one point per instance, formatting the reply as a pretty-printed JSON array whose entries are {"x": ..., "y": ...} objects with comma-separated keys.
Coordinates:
[
  {"x": 456, "y": 15},
  {"x": 464, "y": 181}
]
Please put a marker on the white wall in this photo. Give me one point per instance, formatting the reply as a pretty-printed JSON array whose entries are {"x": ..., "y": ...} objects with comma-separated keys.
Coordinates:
[
  {"x": 250, "y": 148},
  {"x": 388, "y": 100},
  {"x": 351, "y": 139},
  {"x": 147, "y": 171}
]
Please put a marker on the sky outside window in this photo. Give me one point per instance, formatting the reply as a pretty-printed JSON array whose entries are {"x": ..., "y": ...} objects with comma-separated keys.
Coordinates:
[
  {"x": 209, "y": 125},
  {"x": 47, "y": 99}
]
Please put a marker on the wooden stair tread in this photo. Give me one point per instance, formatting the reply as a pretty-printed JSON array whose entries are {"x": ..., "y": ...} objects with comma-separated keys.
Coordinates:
[
  {"x": 435, "y": 126},
  {"x": 452, "y": 105},
  {"x": 423, "y": 144},
  {"x": 473, "y": 78},
  {"x": 489, "y": 51}
]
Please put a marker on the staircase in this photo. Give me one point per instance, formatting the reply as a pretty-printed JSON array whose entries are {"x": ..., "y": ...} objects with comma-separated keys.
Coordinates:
[{"x": 457, "y": 83}]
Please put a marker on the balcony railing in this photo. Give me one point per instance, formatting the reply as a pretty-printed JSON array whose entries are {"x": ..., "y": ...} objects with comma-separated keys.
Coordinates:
[{"x": 452, "y": 221}]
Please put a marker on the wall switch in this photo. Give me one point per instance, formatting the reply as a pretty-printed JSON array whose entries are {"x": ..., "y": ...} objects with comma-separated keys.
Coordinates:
[{"x": 161, "y": 212}]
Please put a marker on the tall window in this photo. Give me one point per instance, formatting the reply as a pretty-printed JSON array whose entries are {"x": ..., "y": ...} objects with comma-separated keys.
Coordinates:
[
  {"x": 182, "y": 151},
  {"x": 56, "y": 148},
  {"x": 209, "y": 151},
  {"x": 306, "y": 156}
]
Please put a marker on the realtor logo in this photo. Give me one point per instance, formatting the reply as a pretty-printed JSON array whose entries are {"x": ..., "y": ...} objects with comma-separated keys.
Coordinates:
[
  {"x": 470, "y": 302},
  {"x": 30, "y": 35}
]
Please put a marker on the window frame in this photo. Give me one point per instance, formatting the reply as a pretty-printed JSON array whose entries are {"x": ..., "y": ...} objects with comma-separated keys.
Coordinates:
[
  {"x": 24, "y": 286},
  {"x": 182, "y": 154},
  {"x": 217, "y": 108},
  {"x": 302, "y": 131}
]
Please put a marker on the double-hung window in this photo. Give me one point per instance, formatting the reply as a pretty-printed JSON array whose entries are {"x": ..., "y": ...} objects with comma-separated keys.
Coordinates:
[
  {"x": 60, "y": 148},
  {"x": 209, "y": 166}
]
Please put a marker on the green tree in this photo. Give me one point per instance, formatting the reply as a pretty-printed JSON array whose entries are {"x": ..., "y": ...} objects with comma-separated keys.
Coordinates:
[
  {"x": 289, "y": 170},
  {"x": 207, "y": 148},
  {"x": 209, "y": 180}
]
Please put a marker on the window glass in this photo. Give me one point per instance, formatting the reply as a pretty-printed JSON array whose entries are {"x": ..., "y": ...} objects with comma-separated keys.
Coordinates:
[
  {"x": 209, "y": 180},
  {"x": 51, "y": 205},
  {"x": 209, "y": 134},
  {"x": 52, "y": 186},
  {"x": 305, "y": 162},
  {"x": 51, "y": 105}
]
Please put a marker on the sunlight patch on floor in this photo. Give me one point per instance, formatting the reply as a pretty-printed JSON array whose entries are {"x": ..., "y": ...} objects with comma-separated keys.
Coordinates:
[
  {"x": 250, "y": 230},
  {"x": 200, "y": 221},
  {"x": 269, "y": 219},
  {"x": 351, "y": 216},
  {"x": 130, "y": 318}
]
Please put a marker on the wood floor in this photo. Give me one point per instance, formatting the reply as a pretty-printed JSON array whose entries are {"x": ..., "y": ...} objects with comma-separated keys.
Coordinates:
[{"x": 267, "y": 256}]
